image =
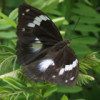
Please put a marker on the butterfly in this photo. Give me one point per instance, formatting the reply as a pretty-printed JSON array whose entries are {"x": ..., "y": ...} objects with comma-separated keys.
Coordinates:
[{"x": 41, "y": 51}]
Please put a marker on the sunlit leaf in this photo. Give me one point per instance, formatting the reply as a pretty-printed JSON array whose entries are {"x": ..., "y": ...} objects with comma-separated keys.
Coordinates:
[
  {"x": 64, "y": 97},
  {"x": 14, "y": 14},
  {"x": 14, "y": 82}
]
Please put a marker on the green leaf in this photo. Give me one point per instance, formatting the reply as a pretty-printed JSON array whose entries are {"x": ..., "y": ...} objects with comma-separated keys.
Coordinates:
[
  {"x": 5, "y": 54},
  {"x": 7, "y": 64},
  {"x": 89, "y": 3},
  {"x": 4, "y": 26},
  {"x": 8, "y": 20},
  {"x": 55, "y": 12},
  {"x": 67, "y": 8},
  {"x": 7, "y": 35},
  {"x": 59, "y": 21},
  {"x": 60, "y": 1},
  {"x": 86, "y": 19},
  {"x": 64, "y": 97},
  {"x": 49, "y": 91},
  {"x": 64, "y": 89},
  {"x": 85, "y": 10},
  {"x": 80, "y": 46},
  {"x": 9, "y": 49},
  {"x": 89, "y": 62},
  {"x": 3, "y": 21},
  {"x": 11, "y": 74},
  {"x": 49, "y": 5},
  {"x": 84, "y": 79},
  {"x": 14, "y": 82},
  {"x": 5, "y": 89},
  {"x": 35, "y": 3},
  {"x": 14, "y": 14},
  {"x": 80, "y": 99},
  {"x": 44, "y": 5},
  {"x": 84, "y": 29}
]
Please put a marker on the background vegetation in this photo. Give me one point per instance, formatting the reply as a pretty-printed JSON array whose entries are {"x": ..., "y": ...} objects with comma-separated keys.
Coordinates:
[{"x": 65, "y": 14}]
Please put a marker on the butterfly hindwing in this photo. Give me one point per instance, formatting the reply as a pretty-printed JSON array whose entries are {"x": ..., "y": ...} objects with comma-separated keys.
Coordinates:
[
  {"x": 26, "y": 52},
  {"x": 59, "y": 67}
]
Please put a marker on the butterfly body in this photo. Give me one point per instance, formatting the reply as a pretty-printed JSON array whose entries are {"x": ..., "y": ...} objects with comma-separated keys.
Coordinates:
[{"x": 41, "y": 50}]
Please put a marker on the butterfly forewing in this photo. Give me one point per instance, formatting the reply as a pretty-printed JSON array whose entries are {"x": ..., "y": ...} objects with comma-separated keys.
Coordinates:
[
  {"x": 34, "y": 23},
  {"x": 34, "y": 28},
  {"x": 41, "y": 50}
]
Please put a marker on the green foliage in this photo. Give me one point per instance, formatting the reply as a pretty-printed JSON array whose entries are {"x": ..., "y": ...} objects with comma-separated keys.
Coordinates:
[
  {"x": 74, "y": 89},
  {"x": 89, "y": 19},
  {"x": 44, "y": 5},
  {"x": 64, "y": 97},
  {"x": 7, "y": 59},
  {"x": 64, "y": 13},
  {"x": 49, "y": 91},
  {"x": 8, "y": 19}
]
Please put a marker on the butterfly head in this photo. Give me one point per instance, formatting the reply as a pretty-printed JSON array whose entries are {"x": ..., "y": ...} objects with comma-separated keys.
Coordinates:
[{"x": 68, "y": 42}]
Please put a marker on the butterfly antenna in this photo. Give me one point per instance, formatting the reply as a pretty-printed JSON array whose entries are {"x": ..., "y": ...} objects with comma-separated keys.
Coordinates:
[
  {"x": 79, "y": 37},
  {"x": 75, "y": 25},
  {"x": 74, "y": 30}
]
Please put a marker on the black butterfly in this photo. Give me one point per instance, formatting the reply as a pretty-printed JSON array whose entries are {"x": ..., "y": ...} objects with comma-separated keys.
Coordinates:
[{"x": 41, "y": 50}]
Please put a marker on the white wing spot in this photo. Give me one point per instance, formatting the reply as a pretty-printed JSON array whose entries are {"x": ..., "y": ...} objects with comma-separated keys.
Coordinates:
[
  {"x": 61, "y": 71},
  {"x": 38, "y": 19},
  {"x": 31, "y": 25},
  {"x": 53, "y": 76},
  {"x": 44, "y": 64},
  {"x": 23, "y": 14},
  {"x": 43, "y": 17},
  {"x": 36, "y": 22},
  {"x": 72, "y": 78},
  {"x": 47, "y": 18},
  {"x": 71, "y": 66},
  {"x": 36, "y": 46},
  {"x": 37, "y": 40},
  {"x": 66, "y": 81},
  {"x": 27, "y": 10},
  {"x": 23, "y": 29}
]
